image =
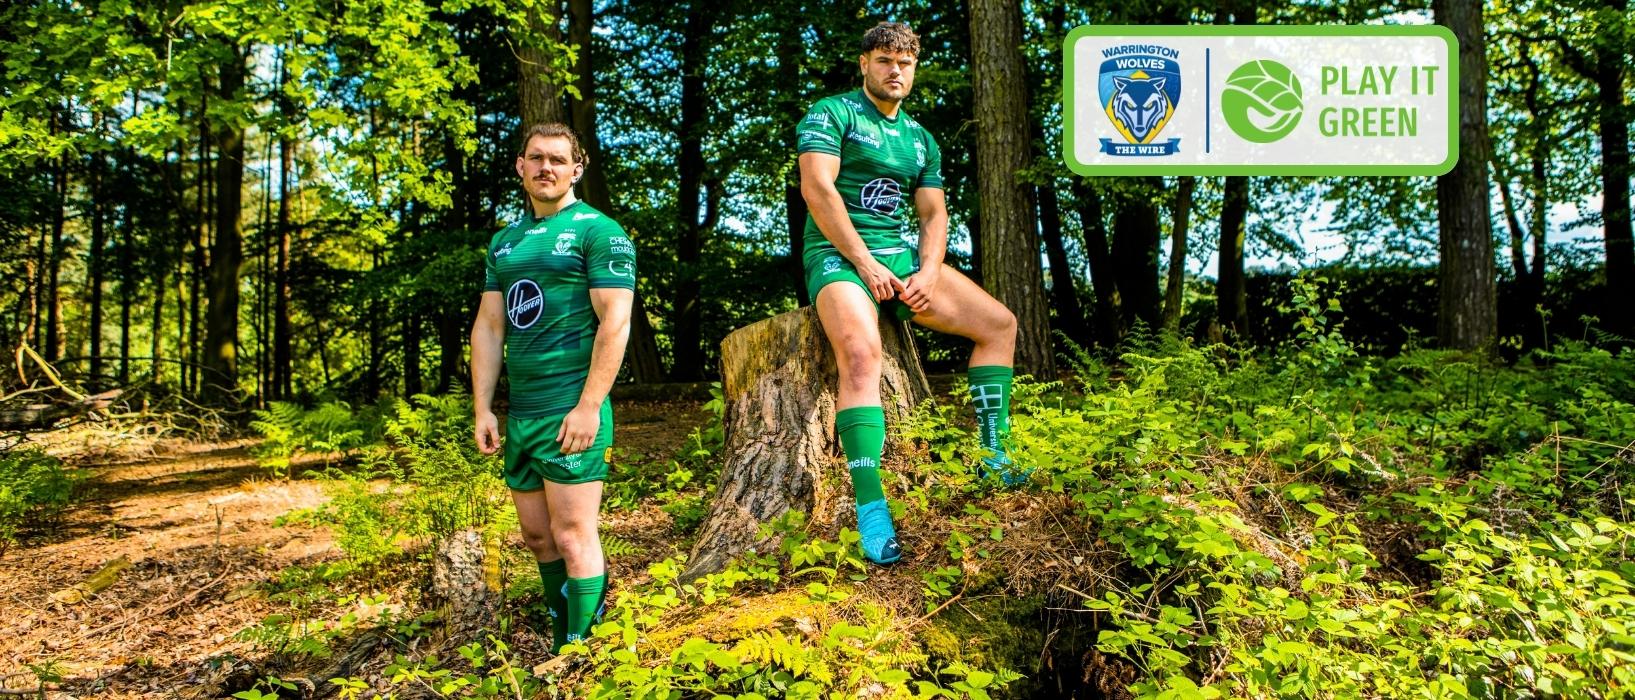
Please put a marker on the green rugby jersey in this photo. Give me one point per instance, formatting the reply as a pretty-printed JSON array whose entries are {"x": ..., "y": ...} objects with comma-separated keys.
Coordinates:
[
  {"x": 882, "y": 161},
  {"x": 546, "y": 268}
]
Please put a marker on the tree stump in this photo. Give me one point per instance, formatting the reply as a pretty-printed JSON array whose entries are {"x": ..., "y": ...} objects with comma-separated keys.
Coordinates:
[
  {"x": 779, "y": 381},
  {"x": 465, "y": 581}
]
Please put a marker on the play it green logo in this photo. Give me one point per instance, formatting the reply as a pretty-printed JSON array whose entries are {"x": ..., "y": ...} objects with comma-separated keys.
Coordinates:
[
  {"x": 1262, "y": 101},
  {"x": 1305, "y": 100}
]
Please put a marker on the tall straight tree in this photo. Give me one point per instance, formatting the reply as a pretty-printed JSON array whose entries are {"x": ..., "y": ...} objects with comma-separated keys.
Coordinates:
[
  {"x": 694, "y": 216},
  {"x": 1232, "y": 305},
  {"x": 1009, "y": 255},
  {"x": 1178, "y": 253},
  {"x": 1093, "y": 230},
  {"x": 643, "y": 353},
  {"x": 1604, "y": 67},
  {"x": 1136, "y": 233},
  {"x": 1468, "y": 313},
  {"x": 227, "y": 253}
]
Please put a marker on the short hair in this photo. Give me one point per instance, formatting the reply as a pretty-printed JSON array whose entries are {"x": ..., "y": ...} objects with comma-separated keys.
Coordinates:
[
  {"x": 554, "y": 130},
  {"x": 892, "y": 37}
]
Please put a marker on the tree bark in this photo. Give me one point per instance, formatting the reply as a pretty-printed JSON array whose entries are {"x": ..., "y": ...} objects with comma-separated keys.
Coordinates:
[
  {"x": 227, "y": 255},
  {"x": 282, "y": 357},
  {"x": 1063, "y": 293},
  {"x": 1009, "y": 254},
  {"x": 1613, "y": 123},
  {"x": 1468, "y": 317},
  {"x": 1178, "y": 254},
  {"x": 1231, "y": 299},
  {"x": 642, "y": 355},
  {"x": 1135, "y": 255},
  {"x": 94, "y": 258},
  {"x": 1109, "y": 326},
  {"x": 536, "y": 88},
  {"x": 53, "y": 289},
  {"x": 780, "y": 384},
  {"x": 687, "y": 309}
]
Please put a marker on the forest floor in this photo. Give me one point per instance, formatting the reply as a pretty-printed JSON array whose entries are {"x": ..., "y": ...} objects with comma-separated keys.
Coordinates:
[{"x": 197, "y": 524}]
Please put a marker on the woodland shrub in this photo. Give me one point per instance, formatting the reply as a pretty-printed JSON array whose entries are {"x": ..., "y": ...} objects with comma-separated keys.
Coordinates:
[{"x": 34, "y": 488}]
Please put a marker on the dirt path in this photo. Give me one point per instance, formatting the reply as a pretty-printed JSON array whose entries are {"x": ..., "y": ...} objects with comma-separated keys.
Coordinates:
[{"x": 196, "y": 523}]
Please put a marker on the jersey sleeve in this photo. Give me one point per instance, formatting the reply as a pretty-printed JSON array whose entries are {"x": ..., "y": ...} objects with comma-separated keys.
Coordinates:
[
  {"x": 491, "y": 275},
  {"x": 610, "y": 257},
  {"x": 931, "y": 171},
  {"x": 822, "y": 129}
]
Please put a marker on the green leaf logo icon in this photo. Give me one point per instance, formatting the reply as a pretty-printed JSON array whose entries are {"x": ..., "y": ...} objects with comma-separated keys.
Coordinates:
[{"x": 1262, "y": 101}]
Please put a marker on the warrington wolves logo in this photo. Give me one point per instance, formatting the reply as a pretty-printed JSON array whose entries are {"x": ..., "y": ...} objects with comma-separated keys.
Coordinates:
[{"x": 1140, "y": 86}]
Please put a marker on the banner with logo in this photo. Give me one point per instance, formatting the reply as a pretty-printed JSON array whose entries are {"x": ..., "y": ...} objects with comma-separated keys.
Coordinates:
[{"x": 1260, "y": 100}]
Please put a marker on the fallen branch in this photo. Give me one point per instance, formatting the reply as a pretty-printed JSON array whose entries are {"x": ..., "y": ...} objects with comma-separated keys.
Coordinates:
[{"x": 143, "y": 616}]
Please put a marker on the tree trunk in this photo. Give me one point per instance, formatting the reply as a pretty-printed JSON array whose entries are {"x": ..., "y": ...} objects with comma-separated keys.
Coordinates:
[
  {"x": 1135, "y": 255},
  {"x": 281, "y": 356},
  {"x": 642, "y": 355},
  {"x": 1010, "y": 240},
  {"x": 465, "y": 581},
  {"x": 227, "y": 255},
  {"x": 686, "y": 311},
  {"x": 1468, "y": 317},
  {"x": 536, "y": 88},
  {"x": 1063, "y": 293},
  {"x": 451, "y": 341},
  {"x": 53, "y": 289},
  {"x": 1231, "y": 299},
  {"x": 1093, "y": 228},
  {"x": 94, "y": 259},
  {"x": 1178, "y": 254},
  {"x": 1613, "y": 123},
  {"x": 780, "y": 384}
]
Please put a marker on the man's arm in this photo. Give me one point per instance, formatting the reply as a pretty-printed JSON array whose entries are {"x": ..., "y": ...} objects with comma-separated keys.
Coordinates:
[
  {"x": 487, "y": 354},
  {"x": 932, "y": 207},
  {"x": 612, "y": 306},
  {"x": 817, "y": 186}
]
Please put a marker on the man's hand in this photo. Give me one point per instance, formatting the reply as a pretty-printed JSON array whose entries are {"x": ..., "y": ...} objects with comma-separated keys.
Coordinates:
[
  {"x": 579, "y": 428},
  {"x": 488, "y": 433},
  {"x": 881, "y": 283},
  {"x": 919, "y": 288}
]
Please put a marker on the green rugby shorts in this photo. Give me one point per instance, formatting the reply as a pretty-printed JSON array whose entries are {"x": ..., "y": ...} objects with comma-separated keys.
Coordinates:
[
  {"x": 825, "y": 265},
  {"x": 533, "y": 456}
]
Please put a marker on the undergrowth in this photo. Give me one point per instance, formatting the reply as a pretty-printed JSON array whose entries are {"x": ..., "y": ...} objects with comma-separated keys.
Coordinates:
[{"x": 1308, "y": 521}]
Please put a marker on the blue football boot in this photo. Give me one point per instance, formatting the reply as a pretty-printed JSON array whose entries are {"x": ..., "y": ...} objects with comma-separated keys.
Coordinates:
[
  {"x": 879, "y": 543},
  {"x": 1001, "y": 465}
]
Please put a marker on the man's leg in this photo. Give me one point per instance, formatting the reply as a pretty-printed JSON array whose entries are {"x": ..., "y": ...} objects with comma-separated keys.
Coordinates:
[
  {"x": 573, "y": 510},
  {"x": 962, "y": 308},
  {"x": 533, "y": 513},
  {"x": 849, "y": 320}
]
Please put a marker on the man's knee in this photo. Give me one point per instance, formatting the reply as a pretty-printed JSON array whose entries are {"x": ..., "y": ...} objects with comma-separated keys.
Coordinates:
[
  {"x": 538, "y": 540},
  {"x": 574, "y": 537},
  {"x": 859, "y": 358}
]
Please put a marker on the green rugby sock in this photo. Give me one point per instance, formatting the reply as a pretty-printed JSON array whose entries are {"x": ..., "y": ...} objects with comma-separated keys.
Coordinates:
[
  {"x": 584, "y": 597},
  {"x": 862, "y": 432},
  {"x": 552, "y": 574},
  {"x": 991, "y": 395}
]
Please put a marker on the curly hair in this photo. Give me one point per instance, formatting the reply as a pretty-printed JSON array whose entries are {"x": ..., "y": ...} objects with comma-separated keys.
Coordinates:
[{"x": 891, "y": 37}]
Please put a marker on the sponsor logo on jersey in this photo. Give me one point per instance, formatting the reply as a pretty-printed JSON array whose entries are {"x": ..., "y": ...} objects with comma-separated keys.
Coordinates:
[
  {"x": 818, "y": 135},
  {"x": 564, "y": 243},
  {"x": 585, "y": 215},
  {"x": 621, "y": 245},
  {"x": 524, "y": 304},
  {"x": 864, "y": 137},
  {"x": 620, "y": 268},
  {"x": 503, "y": 251},
  {"x": 881, "y": 196},
  {"x": 890, "y": 131},
  {"x": 919, "y": 153},
  {"x": 854, "y": 105},
  {"x": 831, "y": 265},
  {"x": 818, "y": 118}
]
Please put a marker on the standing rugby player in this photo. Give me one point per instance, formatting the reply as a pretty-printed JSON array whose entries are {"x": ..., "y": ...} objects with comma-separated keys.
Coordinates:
[
  {"x": 864, "y": 164},
  {"x": 556, "y": 310}
]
